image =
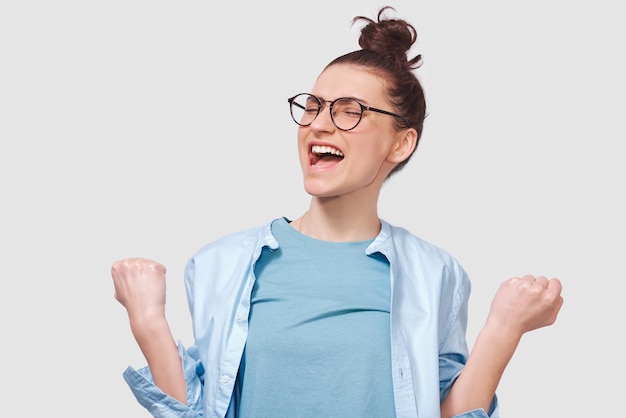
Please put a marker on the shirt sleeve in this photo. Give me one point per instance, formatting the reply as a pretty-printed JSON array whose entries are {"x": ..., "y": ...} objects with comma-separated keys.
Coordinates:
[
  {"x": 449, "y": 365},
  {"x": 478, "y": 413},
  {"x": 158, "y": 403},
  {"x": 453, "y": 351}
]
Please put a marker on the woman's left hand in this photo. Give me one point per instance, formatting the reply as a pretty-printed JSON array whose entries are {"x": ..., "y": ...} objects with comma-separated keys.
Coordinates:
[{"x": 523, "y": 304}]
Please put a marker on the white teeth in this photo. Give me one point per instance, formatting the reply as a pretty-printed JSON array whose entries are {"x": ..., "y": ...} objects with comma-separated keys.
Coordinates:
[{"x": 324, "y": 149}]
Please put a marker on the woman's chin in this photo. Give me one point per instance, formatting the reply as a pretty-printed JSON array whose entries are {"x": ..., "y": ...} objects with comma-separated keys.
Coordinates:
[{"x": 317, "y": 190}]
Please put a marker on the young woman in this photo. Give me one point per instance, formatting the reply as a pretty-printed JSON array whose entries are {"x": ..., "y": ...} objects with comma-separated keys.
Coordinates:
[{"x": 336, "y": 313}]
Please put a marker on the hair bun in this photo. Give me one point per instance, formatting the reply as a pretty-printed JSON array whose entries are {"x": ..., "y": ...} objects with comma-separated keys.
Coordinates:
[{"x": 389, "y": 37}]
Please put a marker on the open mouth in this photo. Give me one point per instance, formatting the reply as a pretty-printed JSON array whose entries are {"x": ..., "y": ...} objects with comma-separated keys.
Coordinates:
[{"x": 322, "y": 155}]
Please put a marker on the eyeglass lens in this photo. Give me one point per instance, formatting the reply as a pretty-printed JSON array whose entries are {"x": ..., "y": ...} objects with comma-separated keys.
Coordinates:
[{"x": 346, "y": 113}]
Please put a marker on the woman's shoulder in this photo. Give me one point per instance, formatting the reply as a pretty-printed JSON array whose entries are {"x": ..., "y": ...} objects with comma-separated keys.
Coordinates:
[
  {"x": 403, "y": 236},
  {"x": 417, "y": 254},
  {"x": 408, "y": 244},
  {"x": 245, "y": 239}
]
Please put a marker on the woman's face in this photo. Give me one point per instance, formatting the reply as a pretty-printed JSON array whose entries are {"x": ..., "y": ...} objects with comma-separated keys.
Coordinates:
[{"x": 338, "y": 163}]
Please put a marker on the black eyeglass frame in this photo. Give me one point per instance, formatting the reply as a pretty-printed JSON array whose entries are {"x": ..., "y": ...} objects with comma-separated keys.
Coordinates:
[{"x": 322, "y": 103}]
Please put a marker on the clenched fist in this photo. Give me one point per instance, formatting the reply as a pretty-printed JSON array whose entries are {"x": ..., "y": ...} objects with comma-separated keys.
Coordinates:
[
  {"x": 523, "y": 304},
  {"x": 140, "y": 288}
]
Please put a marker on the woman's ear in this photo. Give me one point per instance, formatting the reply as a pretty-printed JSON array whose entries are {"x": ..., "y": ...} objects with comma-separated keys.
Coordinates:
[{"x": 403, "y": 147}]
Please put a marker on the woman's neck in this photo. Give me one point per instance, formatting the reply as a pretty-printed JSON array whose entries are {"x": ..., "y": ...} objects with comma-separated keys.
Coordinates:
[{"x": 331, "y": 219}]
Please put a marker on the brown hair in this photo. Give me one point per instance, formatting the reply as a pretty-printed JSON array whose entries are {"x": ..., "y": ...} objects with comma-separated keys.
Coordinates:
[{"x": 385, "y": 43}]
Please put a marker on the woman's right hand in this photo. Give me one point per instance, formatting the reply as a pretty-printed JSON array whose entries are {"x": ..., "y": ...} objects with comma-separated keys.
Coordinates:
[{"x": 140, "y": 288}]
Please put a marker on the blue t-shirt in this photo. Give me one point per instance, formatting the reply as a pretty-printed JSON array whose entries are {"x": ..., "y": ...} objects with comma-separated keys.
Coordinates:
[{"x": 319, "y": 331}]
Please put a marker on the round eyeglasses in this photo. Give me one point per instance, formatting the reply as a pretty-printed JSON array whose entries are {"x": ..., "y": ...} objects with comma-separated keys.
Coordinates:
[{"x": 345, "y": 112}]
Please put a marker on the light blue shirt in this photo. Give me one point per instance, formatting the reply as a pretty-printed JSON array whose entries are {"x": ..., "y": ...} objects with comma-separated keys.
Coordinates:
[{"x": 429, "y": 303}]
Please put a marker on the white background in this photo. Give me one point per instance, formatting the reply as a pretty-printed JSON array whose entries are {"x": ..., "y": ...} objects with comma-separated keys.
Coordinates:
[{"x": 148, "y": 128}]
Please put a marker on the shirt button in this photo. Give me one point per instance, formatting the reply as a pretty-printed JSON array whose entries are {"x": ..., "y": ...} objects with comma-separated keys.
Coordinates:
[
  {"x": 240, "y": 316},
  {"x": 224, "y": 379}
]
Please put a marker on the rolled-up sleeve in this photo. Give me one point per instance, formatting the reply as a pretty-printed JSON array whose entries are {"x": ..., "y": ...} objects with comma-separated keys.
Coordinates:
[
  {"x": 158, "y": 403},
  {"x": 480, "y": 413}
]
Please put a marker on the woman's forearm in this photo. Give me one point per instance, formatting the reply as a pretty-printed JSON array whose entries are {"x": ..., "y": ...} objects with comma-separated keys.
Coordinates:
[
  {"x": 159, "y": 348},
  {"x": 476, "y": 385},
  {"x": 519, "y": 306}
]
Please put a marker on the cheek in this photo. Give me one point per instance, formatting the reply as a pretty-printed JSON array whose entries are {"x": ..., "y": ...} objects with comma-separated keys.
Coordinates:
[
  {"x": 301, "y": 134},
  {"x": 303, "y": 150},
  {"x": 374, "y": 149}
]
